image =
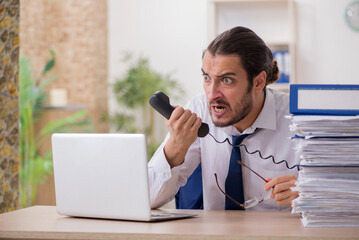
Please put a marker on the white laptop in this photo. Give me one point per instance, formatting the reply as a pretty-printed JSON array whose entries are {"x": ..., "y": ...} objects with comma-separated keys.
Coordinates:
[{"x": 103, "y": 176}]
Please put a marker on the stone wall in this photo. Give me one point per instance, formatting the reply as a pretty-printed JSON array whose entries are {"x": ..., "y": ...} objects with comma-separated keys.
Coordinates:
[{"x": 9, "y": 110}]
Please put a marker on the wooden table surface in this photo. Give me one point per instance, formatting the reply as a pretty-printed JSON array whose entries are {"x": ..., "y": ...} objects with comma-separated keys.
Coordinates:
[{"x": 43, "y": 222}]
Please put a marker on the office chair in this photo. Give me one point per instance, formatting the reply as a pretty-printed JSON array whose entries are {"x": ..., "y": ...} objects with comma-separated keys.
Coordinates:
[{"x": 190, "y": 196}]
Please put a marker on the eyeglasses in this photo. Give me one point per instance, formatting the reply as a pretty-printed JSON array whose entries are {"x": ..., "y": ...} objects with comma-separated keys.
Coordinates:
[{"x": 252, "y": 202}]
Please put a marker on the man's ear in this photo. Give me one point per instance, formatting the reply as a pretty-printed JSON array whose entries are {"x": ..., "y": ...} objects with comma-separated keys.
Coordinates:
[{"x": 259, "y": 82}]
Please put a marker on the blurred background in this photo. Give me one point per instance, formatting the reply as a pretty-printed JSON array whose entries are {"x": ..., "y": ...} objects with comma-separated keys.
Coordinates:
[{"x": 91, "y": 65}]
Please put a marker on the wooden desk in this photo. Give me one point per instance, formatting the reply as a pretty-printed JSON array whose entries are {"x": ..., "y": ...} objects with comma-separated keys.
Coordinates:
[{"x": 43, "y": 222}]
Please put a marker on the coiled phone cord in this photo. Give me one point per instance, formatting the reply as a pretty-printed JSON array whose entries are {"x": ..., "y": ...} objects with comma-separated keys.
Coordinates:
[{"x": 256, "y": 151}]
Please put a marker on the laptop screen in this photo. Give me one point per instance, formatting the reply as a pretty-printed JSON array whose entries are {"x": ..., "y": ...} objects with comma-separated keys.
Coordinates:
[{"x": 101, "y": 175}]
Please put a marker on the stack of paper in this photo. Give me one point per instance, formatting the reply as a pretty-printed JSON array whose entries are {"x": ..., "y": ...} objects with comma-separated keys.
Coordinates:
[
  {"x": 325, "y": 125},
  {"x": 328, "y": 180}
]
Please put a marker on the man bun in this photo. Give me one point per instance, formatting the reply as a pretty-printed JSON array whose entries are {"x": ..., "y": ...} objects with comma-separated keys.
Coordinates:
[{"x": 273, "y": 74}]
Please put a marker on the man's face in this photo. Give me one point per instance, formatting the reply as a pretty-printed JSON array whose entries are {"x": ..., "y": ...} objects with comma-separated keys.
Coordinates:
[{"x": 226, "y": 86}]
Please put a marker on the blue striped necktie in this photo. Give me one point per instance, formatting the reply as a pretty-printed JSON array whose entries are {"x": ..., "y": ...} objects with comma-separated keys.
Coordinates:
[{"x": 234, "y": 181}]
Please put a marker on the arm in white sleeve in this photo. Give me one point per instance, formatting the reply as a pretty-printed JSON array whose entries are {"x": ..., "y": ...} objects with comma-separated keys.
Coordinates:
[{"x": 164, "y": 181}]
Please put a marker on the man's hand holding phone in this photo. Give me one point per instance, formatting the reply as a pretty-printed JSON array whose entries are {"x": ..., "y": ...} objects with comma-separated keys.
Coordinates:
[{"x": 183, "y": 126}]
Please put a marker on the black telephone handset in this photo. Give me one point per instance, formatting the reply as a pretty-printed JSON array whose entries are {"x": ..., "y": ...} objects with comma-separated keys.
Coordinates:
[{"x": 161, "y": 103}]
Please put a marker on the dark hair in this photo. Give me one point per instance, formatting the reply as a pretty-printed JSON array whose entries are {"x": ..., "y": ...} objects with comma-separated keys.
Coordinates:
[{"x": 254, "y": 54}]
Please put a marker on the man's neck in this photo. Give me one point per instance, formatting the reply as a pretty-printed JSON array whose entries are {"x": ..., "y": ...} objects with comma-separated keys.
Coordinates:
[{"x": 258, "y": 104}]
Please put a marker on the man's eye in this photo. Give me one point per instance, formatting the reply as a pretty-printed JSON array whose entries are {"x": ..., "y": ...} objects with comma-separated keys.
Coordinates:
[
  {"x": 206, "y": 78},
  {"x": 227, "y": 80}
]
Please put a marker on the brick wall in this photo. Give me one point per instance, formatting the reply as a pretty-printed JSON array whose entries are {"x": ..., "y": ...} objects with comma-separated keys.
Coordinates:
[{"x": 77, "y": 31}]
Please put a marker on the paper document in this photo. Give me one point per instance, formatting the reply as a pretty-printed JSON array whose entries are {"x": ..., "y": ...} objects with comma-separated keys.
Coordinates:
[{"x": 328, "y": 180}]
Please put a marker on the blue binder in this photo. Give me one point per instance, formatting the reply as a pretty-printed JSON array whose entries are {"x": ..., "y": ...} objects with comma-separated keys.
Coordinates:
[
  {"x": 284, "y": 66},
  {"x": 335, "y": 93}
]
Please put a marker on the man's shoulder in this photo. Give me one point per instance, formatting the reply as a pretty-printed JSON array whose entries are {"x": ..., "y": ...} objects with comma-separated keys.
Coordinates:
[
  {"x": 281, "y": 100},
  {"x": 198, "y": 101},
  {"x": 280, "y": 95},
  {"x": 201, "y": 97},
  {"x": 198, "y": 104}
]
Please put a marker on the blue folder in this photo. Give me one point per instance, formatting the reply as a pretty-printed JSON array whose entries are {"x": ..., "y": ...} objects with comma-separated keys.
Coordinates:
[{"x": 294, "y": 108}]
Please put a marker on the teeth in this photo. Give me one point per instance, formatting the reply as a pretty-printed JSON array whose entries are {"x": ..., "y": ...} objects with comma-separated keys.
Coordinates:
[{"x": 219, "y": 109}]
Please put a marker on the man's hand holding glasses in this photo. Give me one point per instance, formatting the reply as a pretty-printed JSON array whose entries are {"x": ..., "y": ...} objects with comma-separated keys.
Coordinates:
[{"x": 281, "y": 192}]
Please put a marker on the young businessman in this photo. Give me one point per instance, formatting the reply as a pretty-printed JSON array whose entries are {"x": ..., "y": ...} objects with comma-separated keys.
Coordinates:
[{"x": 237, "y": 66}]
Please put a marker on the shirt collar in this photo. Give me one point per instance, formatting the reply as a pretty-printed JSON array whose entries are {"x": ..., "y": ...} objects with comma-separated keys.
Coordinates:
[{"x": 266, "y": 118}]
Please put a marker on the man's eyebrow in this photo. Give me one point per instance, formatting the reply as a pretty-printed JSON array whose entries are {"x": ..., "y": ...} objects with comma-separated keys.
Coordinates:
[
  {"x": 222, "y": 75},
  {"x": 225, "y": 74}
]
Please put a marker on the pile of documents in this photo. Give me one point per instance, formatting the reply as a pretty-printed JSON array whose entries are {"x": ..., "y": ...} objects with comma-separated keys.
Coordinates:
[{"x": 328, "y": 181}]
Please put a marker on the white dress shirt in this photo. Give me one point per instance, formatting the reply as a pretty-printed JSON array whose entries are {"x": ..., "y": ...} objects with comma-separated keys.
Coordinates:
[{"x": 272, "y": 138}]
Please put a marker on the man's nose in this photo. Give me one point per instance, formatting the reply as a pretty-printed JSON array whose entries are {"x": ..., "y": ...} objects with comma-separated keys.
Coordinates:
[{"x": 213, "y": 91}]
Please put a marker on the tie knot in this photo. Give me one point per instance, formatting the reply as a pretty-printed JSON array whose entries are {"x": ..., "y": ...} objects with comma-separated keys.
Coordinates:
[{"x": 236, "y": 140}]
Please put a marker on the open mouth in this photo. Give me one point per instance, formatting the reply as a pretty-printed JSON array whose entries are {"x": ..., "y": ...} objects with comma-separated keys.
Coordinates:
[{"x": 219, "y": 109}]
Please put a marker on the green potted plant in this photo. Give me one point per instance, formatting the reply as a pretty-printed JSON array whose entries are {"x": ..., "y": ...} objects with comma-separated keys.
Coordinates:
[
  {"x": 133, "y": 90},
  {"x": 35, "y": 167}
]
